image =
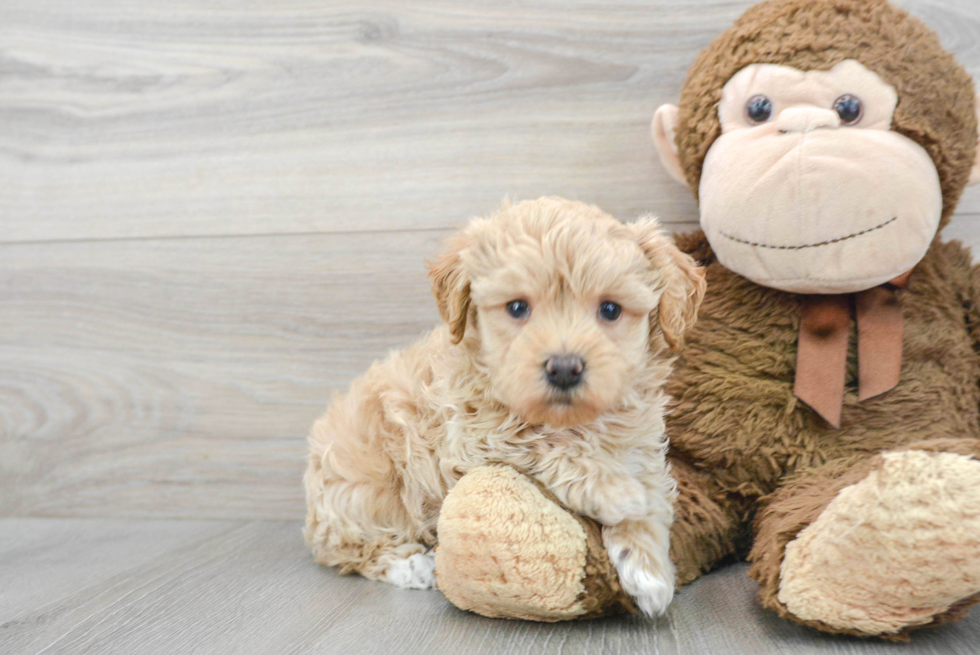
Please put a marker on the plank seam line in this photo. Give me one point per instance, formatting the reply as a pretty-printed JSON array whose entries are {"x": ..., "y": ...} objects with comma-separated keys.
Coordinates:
[
  {"x": 307, "y": 233},
  {"x": 187, "y": 237}
]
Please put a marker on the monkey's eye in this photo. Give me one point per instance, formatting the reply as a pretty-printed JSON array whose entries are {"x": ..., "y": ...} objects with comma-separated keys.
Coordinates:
[
  {"x": 758, "y": 109},
  {"x": 518, "y": 308},
  {"x": 609, "y": 311},
  {"x": 849, "y": 108}
]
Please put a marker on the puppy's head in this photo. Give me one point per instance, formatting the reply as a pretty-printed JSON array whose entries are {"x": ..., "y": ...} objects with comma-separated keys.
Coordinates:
[{"x": 564, "y": 306}]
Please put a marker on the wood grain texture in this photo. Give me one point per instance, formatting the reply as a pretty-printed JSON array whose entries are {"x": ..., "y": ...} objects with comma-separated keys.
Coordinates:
[
  {"x": 97, "y": 586},
  {"x": 122, "y": 120},
  {"x": 178, "y": 377}
]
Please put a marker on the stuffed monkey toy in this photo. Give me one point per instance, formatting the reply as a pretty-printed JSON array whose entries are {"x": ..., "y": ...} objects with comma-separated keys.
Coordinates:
[{"x": 826, "y": 424}]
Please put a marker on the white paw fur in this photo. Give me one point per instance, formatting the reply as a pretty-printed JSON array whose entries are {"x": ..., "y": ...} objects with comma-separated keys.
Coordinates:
[
  {"x": 651, "y": 590},
  {"x": 417, "y": 571}
]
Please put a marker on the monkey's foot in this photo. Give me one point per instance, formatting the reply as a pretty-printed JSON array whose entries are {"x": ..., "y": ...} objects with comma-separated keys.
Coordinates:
[
  {"x": 508, "y": 549},
  {"x": 897, "y": 550}
]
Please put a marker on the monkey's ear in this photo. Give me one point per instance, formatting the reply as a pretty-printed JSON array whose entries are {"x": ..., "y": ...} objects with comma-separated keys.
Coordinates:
[
  {"x": 664, "y": 129},
  {"x": 975, "y": 171},
  {"x": 684, "y": 282},
  {"x": 451, "y": 287}
]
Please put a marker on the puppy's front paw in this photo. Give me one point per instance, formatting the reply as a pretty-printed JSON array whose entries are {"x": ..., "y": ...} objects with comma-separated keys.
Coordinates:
[
  {"x": 416, "y": 571},
  {"x": 651, "y": 590},
  {"x": 625, "y": 501}
]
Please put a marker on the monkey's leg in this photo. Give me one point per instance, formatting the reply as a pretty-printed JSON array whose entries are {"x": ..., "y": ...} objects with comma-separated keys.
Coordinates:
[
  {"x": 874, "y": 545},
  {"x": 508, "y": 548},
  {"x": 706, "y": 524}
]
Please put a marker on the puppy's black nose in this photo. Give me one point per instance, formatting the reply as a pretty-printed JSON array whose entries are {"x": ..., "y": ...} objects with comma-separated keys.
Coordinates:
[{"x": 564, "y": 371}]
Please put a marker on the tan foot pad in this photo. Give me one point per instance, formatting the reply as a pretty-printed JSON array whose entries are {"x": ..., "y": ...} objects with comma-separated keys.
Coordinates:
[
  {"x": 896, "y": 550},
  {"x": 508, "y": 549}
]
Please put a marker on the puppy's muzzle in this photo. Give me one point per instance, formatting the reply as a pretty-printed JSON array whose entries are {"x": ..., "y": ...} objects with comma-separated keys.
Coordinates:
[{"x": 564, "y": 371}]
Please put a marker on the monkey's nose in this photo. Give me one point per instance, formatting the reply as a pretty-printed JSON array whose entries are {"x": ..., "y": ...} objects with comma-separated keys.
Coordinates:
[
  {"x": 806, "y": 119},
  {"x": 564, "y": 371}
]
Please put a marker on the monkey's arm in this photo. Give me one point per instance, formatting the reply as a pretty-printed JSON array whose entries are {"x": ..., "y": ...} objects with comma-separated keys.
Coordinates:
[
  {"x": 970, "y": 294},
  {"x": 964, "y": 277},
  {"x": 706, "y": 525}
]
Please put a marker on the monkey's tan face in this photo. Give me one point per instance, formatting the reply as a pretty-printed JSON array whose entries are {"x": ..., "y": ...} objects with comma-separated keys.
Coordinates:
[{"x": 808, "y": 190}]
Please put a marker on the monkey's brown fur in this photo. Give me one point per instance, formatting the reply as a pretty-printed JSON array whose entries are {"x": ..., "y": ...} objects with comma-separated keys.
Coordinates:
[
  {"x": 754, "y": 465},
  {"x": 936, "y": 107}
]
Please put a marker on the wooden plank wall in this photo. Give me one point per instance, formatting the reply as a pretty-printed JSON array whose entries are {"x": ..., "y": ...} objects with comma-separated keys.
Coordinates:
[{"x": 213, "y": 214}]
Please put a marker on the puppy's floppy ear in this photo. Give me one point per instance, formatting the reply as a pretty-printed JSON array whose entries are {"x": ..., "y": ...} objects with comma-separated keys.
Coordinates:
[
  {"x": 684, "y": 283},
  {"x": 451, "y": 287}
]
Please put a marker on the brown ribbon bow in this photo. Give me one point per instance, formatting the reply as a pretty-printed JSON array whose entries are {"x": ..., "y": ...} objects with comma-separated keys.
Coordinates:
[{"x": 821, "y": 358}]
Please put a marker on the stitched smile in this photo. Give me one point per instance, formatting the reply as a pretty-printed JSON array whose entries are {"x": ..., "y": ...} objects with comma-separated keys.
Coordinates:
[{"x": 811, "y": 245}]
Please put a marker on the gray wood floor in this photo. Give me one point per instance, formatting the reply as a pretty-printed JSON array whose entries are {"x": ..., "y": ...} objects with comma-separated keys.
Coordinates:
[
  {"x": 215, "y": 214},
  {"x": 109, "y": 586}
]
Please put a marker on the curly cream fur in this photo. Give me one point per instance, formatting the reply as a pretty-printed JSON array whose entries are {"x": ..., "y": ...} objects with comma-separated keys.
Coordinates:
[{"x": 384, "y": 455}]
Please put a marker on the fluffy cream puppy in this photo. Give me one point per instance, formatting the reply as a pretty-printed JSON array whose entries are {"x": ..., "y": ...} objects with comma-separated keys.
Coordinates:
[{"x": 553, "y": 357}]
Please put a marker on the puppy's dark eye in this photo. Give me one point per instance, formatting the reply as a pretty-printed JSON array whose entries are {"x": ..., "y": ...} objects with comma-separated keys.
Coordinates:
[
  {"x": 518, "y": 308},
  {"x": 758, "y": 109},
  {"x": 609, "y": 311},
  {"x": 849, "y": 108}
]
